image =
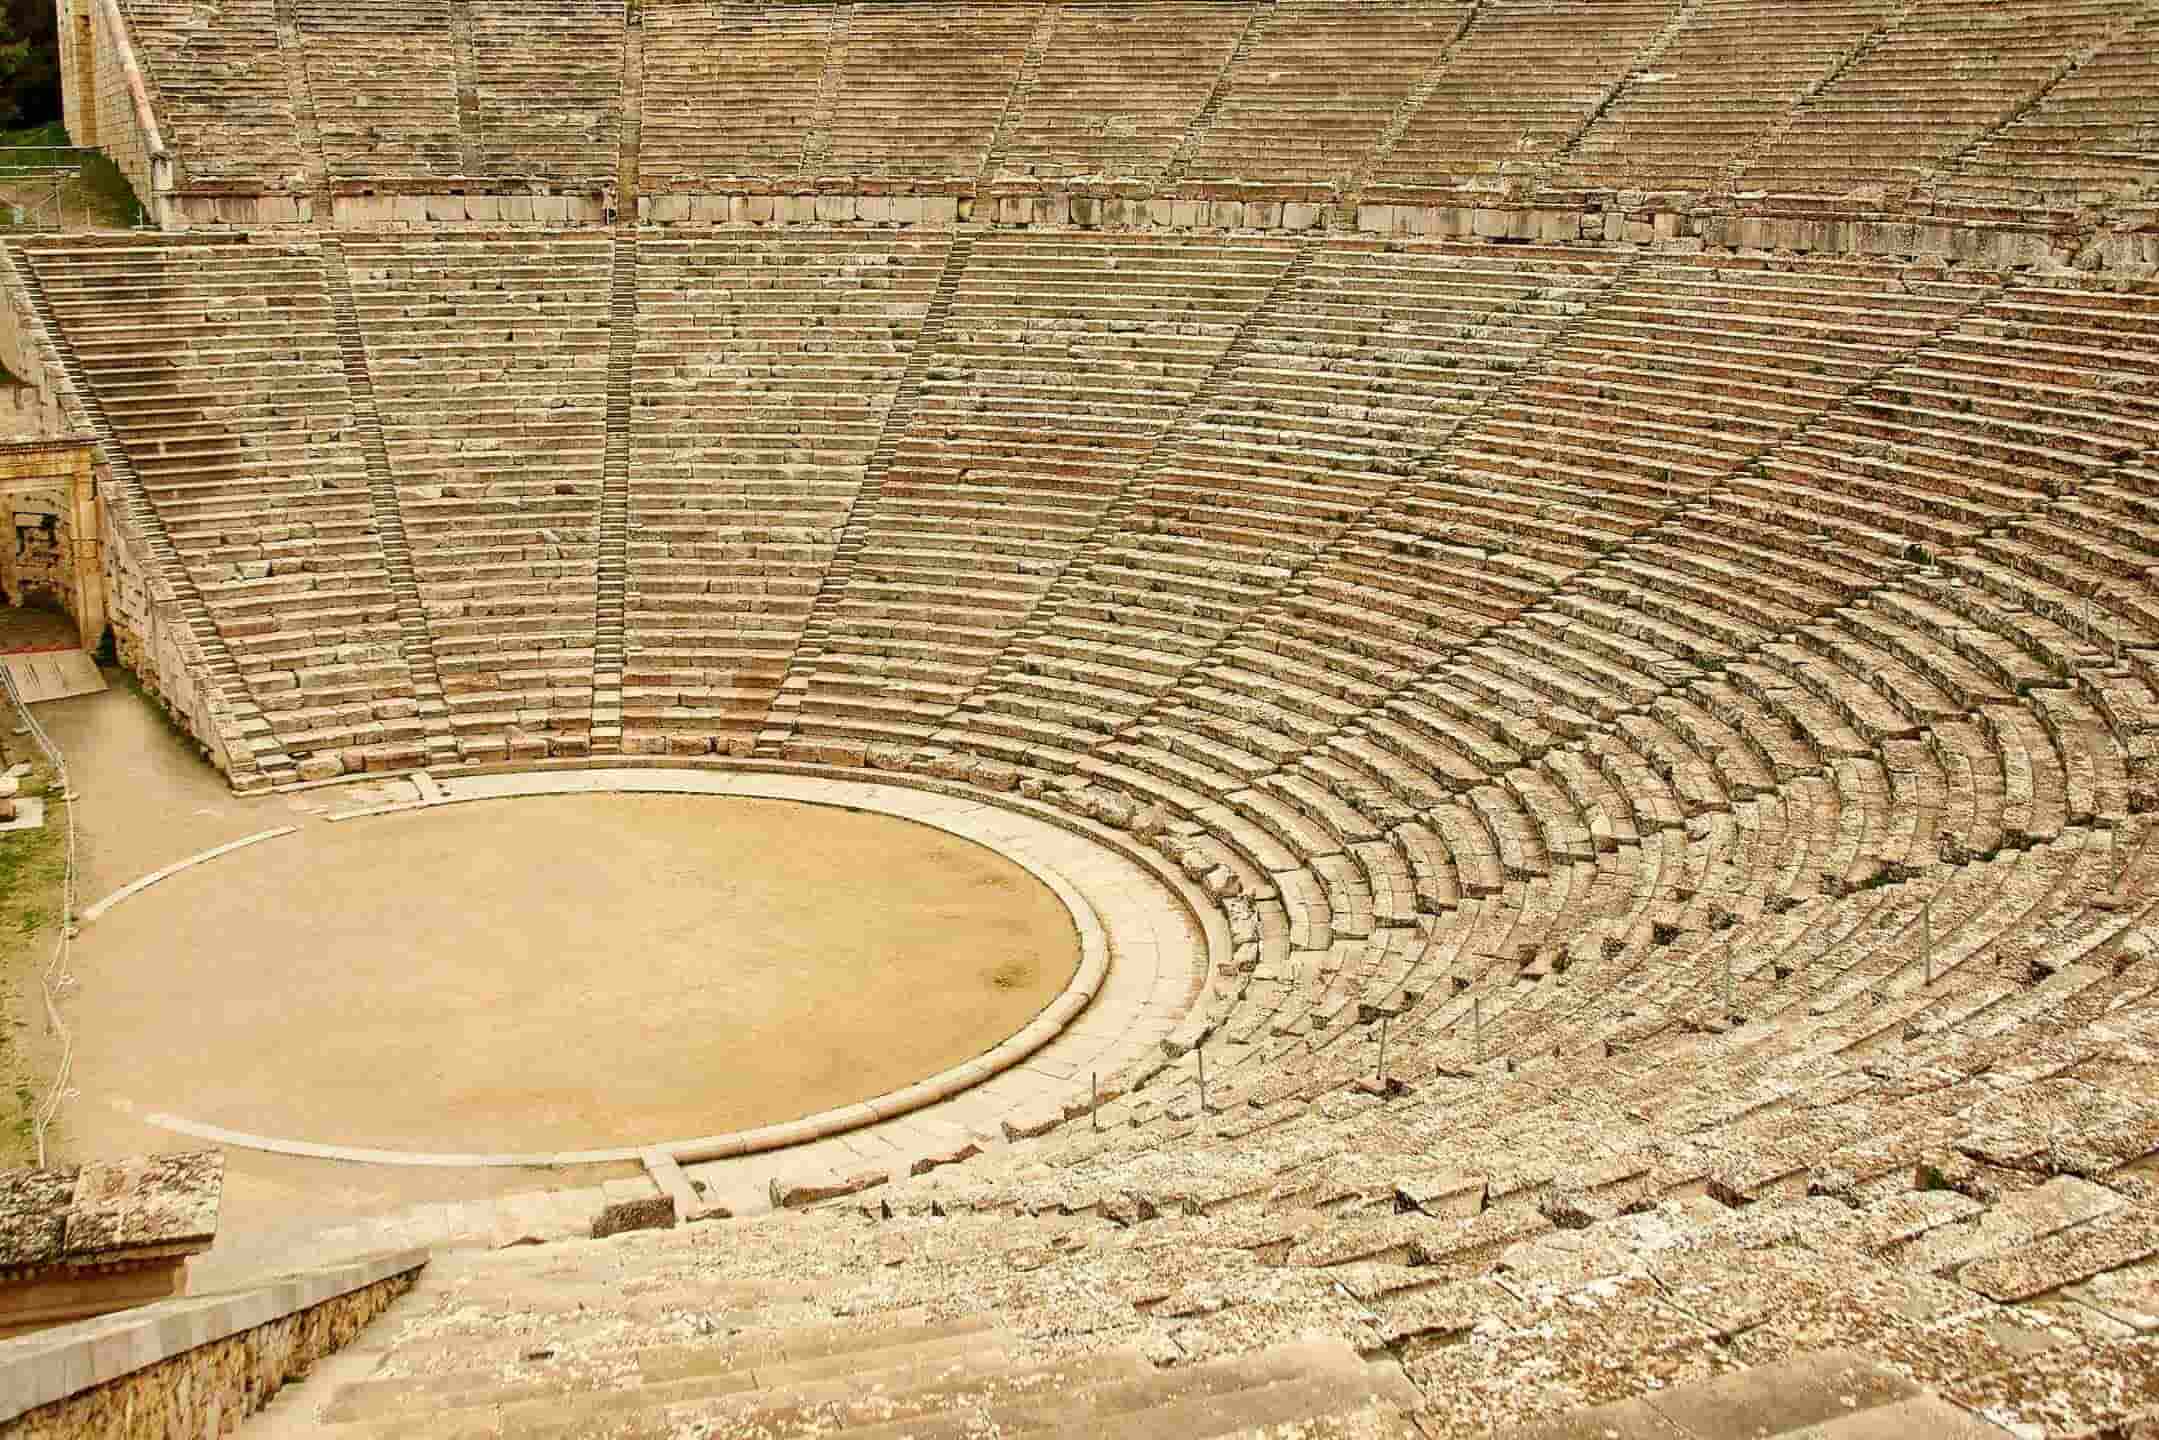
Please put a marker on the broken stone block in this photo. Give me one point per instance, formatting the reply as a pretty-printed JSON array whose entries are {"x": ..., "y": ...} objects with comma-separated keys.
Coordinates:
[
  {"x": 635, "y": 1203},
  {"x": 786, "y": 1196},
  {"x": 928, "y": 1163}
]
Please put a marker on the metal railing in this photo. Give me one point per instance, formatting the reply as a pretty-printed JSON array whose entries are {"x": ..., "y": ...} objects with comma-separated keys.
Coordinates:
[
  {"x": 55, "y": 977},
  {"x": 48, "y": 179}
]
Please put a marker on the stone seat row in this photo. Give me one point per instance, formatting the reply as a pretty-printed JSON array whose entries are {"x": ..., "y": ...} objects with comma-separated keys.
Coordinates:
[
  {"x": 488, "y": 360},
  {"x": 1412, "y": 94},
  {"x": 1524, "y": 80},
  {"x": 240, "y": 430},
  {"x": 1973, "y": 913},
  {"x": 1731, "y": 75},
  {"x": 1143, "y": 584},
  {"x": 1484, "y": 1188},
  {"x": 1860, "y": 130}
]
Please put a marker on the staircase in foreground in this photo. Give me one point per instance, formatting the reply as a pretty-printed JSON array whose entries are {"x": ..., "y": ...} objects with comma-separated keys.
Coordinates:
[
  {"x": 566, "y": 1340},
  {"x": 729, "y": 1331}
]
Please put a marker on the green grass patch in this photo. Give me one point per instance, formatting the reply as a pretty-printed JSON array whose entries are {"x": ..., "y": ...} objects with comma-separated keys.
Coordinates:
[
  {"x": 100, "y": 194},
  {"x": 33, "y": 892}
]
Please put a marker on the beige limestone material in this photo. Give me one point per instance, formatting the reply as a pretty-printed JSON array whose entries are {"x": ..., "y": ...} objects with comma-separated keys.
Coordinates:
[
  {"x": 191, "y": 1367},
  {"x": 81, "y": 1242},
  {"x": 564, "y": 973}
]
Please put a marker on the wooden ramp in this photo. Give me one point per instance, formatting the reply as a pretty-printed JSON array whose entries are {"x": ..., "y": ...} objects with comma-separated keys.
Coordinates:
[{"x": 53, "y": 674}]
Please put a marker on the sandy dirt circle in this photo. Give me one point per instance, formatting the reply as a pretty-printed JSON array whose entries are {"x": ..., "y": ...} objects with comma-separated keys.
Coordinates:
[{"x": 563, "y": 972}]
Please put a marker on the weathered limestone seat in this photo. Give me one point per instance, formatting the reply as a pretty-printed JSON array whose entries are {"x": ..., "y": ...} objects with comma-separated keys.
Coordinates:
[
  {"x": 1524, "y": 78},
  {"x": 488, "y": 360},
  {"x": 1939, "y": 80},
  {"x": 764, "y": 369},
  {"x": 383, "y": 80}
]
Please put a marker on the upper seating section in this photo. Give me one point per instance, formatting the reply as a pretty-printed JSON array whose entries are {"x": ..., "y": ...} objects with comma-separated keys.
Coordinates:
[
  {"x": 220, "y": 83},
  {"x": 548, "y": 81},
  {"x": 919, "y": 87},
  {"x": 389, "y": 89},
  {"x": 383, "y": 77},
  {"x": 2095, "y": 135},
  {"x": 1526, "y": 77},
  {"x": 1731, "y": 76},
  {"x": 732, "y": 87},
  {"x": 1319, "y": 85},
  {"x": 2029, "y": 101},
  {"x": 1118, "y": 87},
  {"x": 1944, "y": 76}
]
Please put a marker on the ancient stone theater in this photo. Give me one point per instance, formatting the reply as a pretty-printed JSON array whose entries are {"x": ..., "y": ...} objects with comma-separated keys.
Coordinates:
[{"x": 1283, "y": 719}]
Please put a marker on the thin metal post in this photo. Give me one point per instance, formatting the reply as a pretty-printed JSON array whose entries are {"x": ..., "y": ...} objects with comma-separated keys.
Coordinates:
[
  {"x": 1094, "y": 1099},
  {"x": 1382, "y": 1052},
  {"x": 1926, "y": 938}
]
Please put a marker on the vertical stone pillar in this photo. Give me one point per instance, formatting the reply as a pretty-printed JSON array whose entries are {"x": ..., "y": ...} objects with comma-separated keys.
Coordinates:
[{"x": 86, "y": 511}]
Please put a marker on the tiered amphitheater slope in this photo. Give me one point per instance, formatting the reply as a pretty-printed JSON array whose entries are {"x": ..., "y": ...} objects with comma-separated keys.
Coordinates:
[
  {"x": 1667, "y": 729},
  {"x": 1697, "y": 707},
  {"x": 1896, "y": 105}
]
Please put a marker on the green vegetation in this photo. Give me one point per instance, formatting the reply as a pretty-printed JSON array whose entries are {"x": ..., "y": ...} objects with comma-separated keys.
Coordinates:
[
  {"x": 29, "y": 62},
  {"x": 98, "y": 195},
  {"x": 33, "y": 876},
  {"x": 49, "y": 132},
  {"x": 101, "y": 194}
]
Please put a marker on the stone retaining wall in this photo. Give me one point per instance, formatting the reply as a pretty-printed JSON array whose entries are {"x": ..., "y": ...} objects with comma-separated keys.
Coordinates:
[
  {"x": 1805, "y": 225},
  {"x": 31, "y": 407},
  {"x": 28, "y": 413},
  {"x": 190, "y": 1367},
  {"x": 105, "y": 117},
  {"x": 49, "y": 546},
  {"x": 150, "y": 637}
]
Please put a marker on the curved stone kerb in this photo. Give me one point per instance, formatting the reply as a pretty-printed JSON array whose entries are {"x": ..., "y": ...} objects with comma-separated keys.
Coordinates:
[{"x": 863, "y": 793}]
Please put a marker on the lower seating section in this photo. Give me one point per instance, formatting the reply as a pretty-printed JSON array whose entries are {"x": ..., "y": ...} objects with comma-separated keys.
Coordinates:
[
  {"x": 1067, "y": 355},
  {"x": 1947, "y": 74},
  {"x": 2090, "y": 139},
  {"x": 489, "y": 363},
  {"x": 765, "y": 367},
  {"x": 1119, "y": 85},
  {"x": 1678, "y": 376},
  {"x": 1526, "y": 77},
  {"x": 383, "y": 81},
  {"x": 1320, "y": 85},
  {"x": 549, "y": 76},
  {"x": 920, "y": 85},
  {"x": 221, "y": 86},
  {"x": 1352, "y": 376},
  {"x": 1730, "y": 76},
  {"x": 732, "y": 87},
  {"x": 217, "y": 368},
  {"x": 1669, "y": 742}
]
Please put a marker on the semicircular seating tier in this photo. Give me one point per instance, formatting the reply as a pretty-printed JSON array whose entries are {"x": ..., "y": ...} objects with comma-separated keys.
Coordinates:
[
  {"x": 1693, "y": 711},
  {"x": 1973, "y": 107}
]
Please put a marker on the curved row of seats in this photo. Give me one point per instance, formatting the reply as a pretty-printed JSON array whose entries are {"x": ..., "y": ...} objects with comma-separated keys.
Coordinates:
[
  {"x": 1694, "y": 714},
  {"x": 388, "y": 88},
  {"x": 2029, "y": 103}
]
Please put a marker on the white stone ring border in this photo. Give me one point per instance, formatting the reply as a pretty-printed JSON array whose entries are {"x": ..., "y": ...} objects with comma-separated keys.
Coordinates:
[{"x": 853, "y": 791}]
